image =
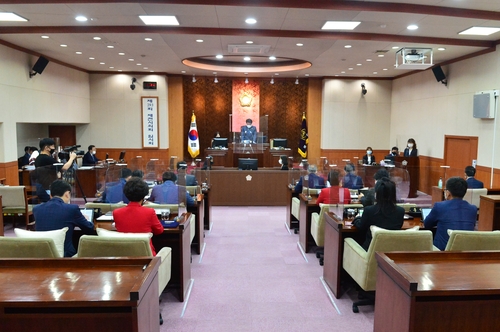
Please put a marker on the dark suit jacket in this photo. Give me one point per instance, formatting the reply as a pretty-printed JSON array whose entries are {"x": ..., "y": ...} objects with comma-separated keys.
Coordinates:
[
  {"x": 365, "y": 159},
  {"x": 191, "y": 180},
  {"x": 414, "y": 153},
  {"x": 472, "y": 183},
  {"x": 55, "y": 214},
  {"x": 248, "y": 134},
  {"x": 314, "y": 181},
  {"x": 352, "y": 181},
  {"x": 452, "y": 214},
  {"x": 372, "y": 216},
  {"x": 114, "y": 192},
  {"x": 168, "y": 193},
  {"x": 89, "y": 159}
]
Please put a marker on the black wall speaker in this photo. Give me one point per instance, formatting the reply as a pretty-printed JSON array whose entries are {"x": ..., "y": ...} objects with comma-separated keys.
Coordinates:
[
  {"x": 40, "y": 65},
  {"x": 438, "y": 73}
]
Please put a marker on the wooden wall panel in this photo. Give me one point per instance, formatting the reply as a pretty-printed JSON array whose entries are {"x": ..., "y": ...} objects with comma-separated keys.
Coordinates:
[
  {"x": 10, "y": 172},
  {"x": 314, "y": 106},
  {"x": 176, "y": 129},
  {"x": 146, "y": 154}
]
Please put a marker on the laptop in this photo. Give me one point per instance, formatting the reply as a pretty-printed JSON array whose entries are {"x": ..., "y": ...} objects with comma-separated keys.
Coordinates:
[{"x": 425, "y": 212}]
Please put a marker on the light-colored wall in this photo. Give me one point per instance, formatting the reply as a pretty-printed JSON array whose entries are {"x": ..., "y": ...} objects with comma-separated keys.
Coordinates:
[
  {"x": 427, "y": 110},
  {"x": 353, "y": 121},
  {"x": 115, "y": 111},
  {"x": 59, "y": 95}
]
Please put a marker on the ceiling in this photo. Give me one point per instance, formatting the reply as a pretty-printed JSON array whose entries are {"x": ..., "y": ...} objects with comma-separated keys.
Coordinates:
[{"x": 281, "y": 24}]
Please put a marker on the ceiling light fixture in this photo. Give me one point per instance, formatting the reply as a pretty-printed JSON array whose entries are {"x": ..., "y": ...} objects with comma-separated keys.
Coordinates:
[
  {"x": 81, "y": 18},
  {"x": 194, "y": 79},
  {"x": 247, "y": 58},
  {"x": 78, "y": 52},
  {"x": 250, "y": 21},
  {"x": 272, "y": 58},
  {"x": 159, "y": 19},
  {"x": 299, "y": 44},
  {"x": 199, "y": 40},
  {"x": 11, "y": 17},
  {"x": 412, "y": 27},
  {"x": 441, "y": 49},
  {"x": 97, "y": 38},
  {"x": 479, "y": 31},
  {"x": 340, "y": 25},
  {"x": 219, "y": 56},
  {"x": 45, "y": 37},
  {"x": 110, "y": 46},
  {"x": 148, "y": 39},
  {"x": 249, "y": 42},
  {"x": 121, "y": 53},
  {"x": 347, "y": 46}
]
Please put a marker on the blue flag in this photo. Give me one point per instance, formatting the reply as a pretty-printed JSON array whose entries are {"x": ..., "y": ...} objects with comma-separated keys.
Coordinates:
[{"x": 304, "y": 138}]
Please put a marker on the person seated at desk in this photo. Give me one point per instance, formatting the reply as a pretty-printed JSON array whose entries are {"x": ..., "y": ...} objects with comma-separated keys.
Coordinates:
[
  {"x": 190, "y": 179},
  {"x": 394, "y": 153},
  {"x": 248, "y": 133},
  {"x": 134, "y": 218},
  {"x": 313, "y": 180},
  {"x": 351, "y": 180},
  {"x": 472, "y": 183},
  {"x": 411, "y": 149},
  {"x": 137, "y": 174},
  {"x": 89, "y": 159},
  {"x": 168, "y": 192},
  {"x": 369, "y": 158},
  {"x": 25, "y": 159},
  {"x": 114, "y": 190},
  {"x": 332, "y": 194},
  {"x": 385, "y": 213},
  {"x": 283, "y": 161},
  {"x": 58, "y": 213},
  {"x": 453, "y": 213},
  {"x": 369, "y": 197}
]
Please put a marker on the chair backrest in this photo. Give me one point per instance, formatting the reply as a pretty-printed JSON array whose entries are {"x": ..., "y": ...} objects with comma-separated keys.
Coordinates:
[
  {"x": 312, "y": 191},
  {"x": 473, "y": 196},
  {"x": 104, "y": 246},
  {"x": 407, "y": 206},
  {"x": 193, "y": 190},
  {"x": 174, "y": 208},
  {"x": 387, "y": 241},
  {"x": 14, "y": 196},
  {"x": 14, "y": 247},
  {"x": 473, "y": 240}
]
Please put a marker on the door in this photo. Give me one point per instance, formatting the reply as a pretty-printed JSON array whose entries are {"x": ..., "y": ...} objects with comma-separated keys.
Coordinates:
[
  {"x": 459, "y": 151},
  {"x": 66, "y": 134}
]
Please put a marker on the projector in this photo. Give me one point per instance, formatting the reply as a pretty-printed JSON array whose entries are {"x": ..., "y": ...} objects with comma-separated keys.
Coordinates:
[{"x": 413, "y": 57}]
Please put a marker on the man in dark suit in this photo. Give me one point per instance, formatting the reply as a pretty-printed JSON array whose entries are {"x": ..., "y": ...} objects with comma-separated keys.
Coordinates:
[
  {"x": 58, "y": 213},
  {"x": 114, "y": 190},
  {"x": 454, "y": 213},
  {"x": 472, "y": 183},
  {"x": 190, "y": 179},
  {"x": 168, "y": 192},
  {"x": 248, "y": 133},
  {"x": 89, "y": 159},
  {"x": 351, "y": 180},
  {"x": 312, "y": 181}
]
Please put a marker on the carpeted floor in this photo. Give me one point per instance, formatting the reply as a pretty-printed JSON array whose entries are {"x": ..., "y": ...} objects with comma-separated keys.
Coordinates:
[{"x": 253, "y": 277}]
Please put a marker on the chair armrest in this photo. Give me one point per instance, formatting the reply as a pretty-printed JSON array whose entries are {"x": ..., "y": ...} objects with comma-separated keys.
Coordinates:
[
  {"x": 315, "y": 217},
  {"x": 355, "y": 262},
  {"x": 355, "y": 250},
  {"x": 164, "y": 253}
]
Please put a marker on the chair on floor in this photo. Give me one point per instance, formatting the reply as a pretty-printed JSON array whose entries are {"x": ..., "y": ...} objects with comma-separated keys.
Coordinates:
[
  {"x": 361, "y": 265},
  {"x": 473, "y": 240},
  {"x": 14, "y": 247},
  {"x": 318, "y": 229},
  {"x": 473, "y": 196},
  {"x": 15, "y": 201}
]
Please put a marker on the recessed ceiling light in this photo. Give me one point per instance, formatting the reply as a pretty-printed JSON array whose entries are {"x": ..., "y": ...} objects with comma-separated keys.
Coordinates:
[
  {"x": 64, "y": 45},
  {"x": 412, "y": 27},
  {"x": 358, "y": 64},
  {"x": 110, "y": 46},
  {"x": 120, "y": 70},
  {"x": 347, "y": 46},
  {"x": 148, "y": 39},
  {"x": 479, "y": 31},
  {"x": 151, "y": 71},
  {"x": 375, "y": 72},
  {"x": 250, "y": 21},
  {"x": 139, "y": 64},
  {"x": 219, "y": 56},
  {"x": 299, "y": 44},
  {"x": 78, "y": 52},
  {"x": 91, "y": 58},
  {"x": 11, "y": 17},
  {"x": 199, "y": 40},
  {"x": 159, "y": 20},
  {"x": 307, "y": 75},
  {"x": 276, "y": 74},
  {"x": 247, "y": 58},
  {"x": 130, "y": 59},
  {"x": 45, "y": 37},
  {"x": 368, "y": 60},
  {"x": 102, "y": 63},
  {"x": 395, "y": 47},
  {"x": 183, "y": 71},
  {"x": 272, "y": 58},
  {"x": 384, "y": 69},
  {"x": 381, "y": 55},
  {"x": 350, "y": 68},
  {"x": 97, "y": 38},
  {"x": 342, "y": 72},
  {"x": 340, "y": 25},
  {"x": 121, "y": 53},
  {"x": 249, "y": 42},
  {"x": 145, "y": 68},
  {"x": 111, "y": 67},
  {"x": 81, "y": 18},
  {"x": 441, "y": 48}
]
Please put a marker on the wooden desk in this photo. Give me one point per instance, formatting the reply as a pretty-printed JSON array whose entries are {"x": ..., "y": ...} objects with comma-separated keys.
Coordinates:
[
  {"x": 199, "y": 211},
  {"x": 489, "y": 215},
  {"x": 307, "y": 208},
  {"x": 335, "y": 233},
  {"x": 220, "y": 157},
  {"x": 437, "y": 291},
  {"x": 291, "y": 221},
  {"x": 179, "y": 240},
  {"x": 437, "y": 194},
  {"x": 79, "y": 294},
  {"x": 263, "y": 187}
]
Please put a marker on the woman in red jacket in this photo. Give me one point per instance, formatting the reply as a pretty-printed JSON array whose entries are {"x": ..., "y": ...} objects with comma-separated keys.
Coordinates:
[{"x": 332, "y": 195}]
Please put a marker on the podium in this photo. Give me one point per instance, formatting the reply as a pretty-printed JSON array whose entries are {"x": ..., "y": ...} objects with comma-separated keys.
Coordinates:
[{"x": 412, "y": 165}]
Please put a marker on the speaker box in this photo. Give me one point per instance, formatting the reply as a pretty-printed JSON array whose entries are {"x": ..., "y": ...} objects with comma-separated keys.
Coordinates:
[
  {"x": 438, "y": 73},
  {"x": 40, "y": 65}
]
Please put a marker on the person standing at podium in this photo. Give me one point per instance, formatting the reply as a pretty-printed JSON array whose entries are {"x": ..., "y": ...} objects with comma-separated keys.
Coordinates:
[
  {"x": 248, "y": 133},
  {"x": 411, "y": 148}
]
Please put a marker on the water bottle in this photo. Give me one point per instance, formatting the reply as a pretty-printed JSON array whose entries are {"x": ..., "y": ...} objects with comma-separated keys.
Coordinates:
[{"x": 440, "y": 183}]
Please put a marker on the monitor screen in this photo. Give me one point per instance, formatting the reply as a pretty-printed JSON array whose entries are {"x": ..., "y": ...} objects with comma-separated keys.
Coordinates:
[
  {"x": 122, "y": 155},
  {"x": 248, "y": 163},
  {"x": 219, "y": 142},
  {"x": 280, "y": 143}
]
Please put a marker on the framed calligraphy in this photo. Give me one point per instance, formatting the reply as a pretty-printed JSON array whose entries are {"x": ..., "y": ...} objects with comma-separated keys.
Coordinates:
[{"x": 149, "y": 118}]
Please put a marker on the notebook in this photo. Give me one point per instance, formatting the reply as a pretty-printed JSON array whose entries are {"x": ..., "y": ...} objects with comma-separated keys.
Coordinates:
[{"x": 425, "y": 212}]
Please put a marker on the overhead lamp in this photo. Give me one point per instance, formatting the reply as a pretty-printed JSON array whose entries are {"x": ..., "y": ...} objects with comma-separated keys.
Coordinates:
[
  {"x": 297, "y": 80},
  {"x": 363, "y": 89},
  {"x": 159, "y": 20},
  {"x": 194, "y": 79},
  {"x": 132, "y": 86}
]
